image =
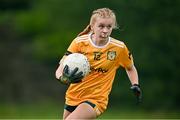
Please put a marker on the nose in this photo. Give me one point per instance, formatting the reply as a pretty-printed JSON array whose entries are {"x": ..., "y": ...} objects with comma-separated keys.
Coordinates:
[{"x": 105, "y": 30}]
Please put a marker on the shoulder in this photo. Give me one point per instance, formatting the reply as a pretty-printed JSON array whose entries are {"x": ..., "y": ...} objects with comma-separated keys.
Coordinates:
[
  {"x": 117, "y": 43},
  {"x": 83, "y": 38}
]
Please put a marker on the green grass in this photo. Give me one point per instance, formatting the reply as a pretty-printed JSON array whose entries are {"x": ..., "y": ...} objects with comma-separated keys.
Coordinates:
[
  {"x": 132, "y": 114},
  {"x": 55, "y": 111},
  {"x": 31, "y": 111}
]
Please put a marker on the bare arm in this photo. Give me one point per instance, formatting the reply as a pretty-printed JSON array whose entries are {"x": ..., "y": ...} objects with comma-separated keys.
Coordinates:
[
  {"x": 133, "y": 75},
  {"x": 59, "y": 70}
]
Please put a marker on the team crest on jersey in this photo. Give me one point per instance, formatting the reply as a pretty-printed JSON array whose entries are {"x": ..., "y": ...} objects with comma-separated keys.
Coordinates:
[{"x": 111, "y": 55}]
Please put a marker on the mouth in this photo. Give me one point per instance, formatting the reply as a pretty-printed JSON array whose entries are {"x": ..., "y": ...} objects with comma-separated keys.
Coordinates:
[{"x": 104, "y": 35}]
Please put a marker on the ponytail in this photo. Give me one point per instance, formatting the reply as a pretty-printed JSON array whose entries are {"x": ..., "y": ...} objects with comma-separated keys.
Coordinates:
[{"x": 85, "y": 31}]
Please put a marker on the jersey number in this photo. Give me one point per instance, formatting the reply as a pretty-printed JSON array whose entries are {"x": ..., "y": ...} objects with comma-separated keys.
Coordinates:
[{"x": 97, "y": 55}]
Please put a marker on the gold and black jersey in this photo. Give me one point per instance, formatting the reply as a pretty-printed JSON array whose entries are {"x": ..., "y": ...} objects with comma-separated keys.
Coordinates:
[{"x": 104, "y": 62}]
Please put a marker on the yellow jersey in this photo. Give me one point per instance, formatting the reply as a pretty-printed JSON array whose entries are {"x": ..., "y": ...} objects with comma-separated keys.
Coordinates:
[{"x": 104, "y": 61}]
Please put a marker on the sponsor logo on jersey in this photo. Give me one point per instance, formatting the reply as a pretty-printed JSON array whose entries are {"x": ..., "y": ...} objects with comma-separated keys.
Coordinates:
[
  {"x": 111, "y": 55},
  {"x": 99, "y": 70}
]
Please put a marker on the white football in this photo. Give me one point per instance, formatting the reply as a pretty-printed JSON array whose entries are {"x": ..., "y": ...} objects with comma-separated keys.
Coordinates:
[{"x": 77, "y": 60}]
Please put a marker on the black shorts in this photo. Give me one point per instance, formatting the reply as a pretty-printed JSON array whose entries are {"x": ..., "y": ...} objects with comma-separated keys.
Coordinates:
[{"x": 72, "y": 108}]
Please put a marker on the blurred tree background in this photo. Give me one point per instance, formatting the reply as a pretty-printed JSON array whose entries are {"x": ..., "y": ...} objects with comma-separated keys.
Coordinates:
[{"x": 35, "y": 34}]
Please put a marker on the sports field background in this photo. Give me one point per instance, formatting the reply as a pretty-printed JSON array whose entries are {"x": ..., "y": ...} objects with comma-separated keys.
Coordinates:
[
  {"x": 55, "y": 111},
  {"x": 34, "y": 35}
]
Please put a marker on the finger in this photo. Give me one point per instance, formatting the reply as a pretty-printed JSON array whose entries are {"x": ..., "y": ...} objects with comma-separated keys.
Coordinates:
[
  {"x": 139, "y": 98},
  {"x": 74, "y": 71},
  {"x": 137, "y": 93},
  {"x": 66, "y": 69},
  {"x": 78, "y": 80},
  {"x": 78, "y": 75},
  {"x": 139, "y": 101}
]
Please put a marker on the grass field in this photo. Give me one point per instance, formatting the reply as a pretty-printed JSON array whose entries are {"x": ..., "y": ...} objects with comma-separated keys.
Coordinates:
[{"x": 54, "y": 111}]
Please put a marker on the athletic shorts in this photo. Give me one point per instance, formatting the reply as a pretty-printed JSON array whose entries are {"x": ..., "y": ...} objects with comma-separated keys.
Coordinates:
[{"x": 72, "y": 108}]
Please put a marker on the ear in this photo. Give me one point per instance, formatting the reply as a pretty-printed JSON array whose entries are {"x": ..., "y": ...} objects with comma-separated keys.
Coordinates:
[{"x": 92, "y": 28}]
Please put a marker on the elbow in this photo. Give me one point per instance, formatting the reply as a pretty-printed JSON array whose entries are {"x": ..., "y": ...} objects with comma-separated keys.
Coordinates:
[
  {"x": 58, "y": 72},
  {"x": 56, "y": 75},
  {"x": 130, "y": 68}
]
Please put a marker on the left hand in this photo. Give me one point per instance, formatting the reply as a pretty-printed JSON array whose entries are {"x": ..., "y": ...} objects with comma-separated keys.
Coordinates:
[
  {"x": 71, "y": 77},
  {"x": 137, "y": 92}
]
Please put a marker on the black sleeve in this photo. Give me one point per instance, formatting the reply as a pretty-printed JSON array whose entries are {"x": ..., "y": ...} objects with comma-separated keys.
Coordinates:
[{"x": 68, "y": 53}]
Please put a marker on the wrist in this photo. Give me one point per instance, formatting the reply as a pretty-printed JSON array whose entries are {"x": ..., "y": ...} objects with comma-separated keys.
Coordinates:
[
  {"x": 136, "y": 85},
  {"x": 64, "y": 80}
]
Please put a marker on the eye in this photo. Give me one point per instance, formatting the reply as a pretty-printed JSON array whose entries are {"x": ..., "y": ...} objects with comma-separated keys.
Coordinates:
[
  {"x": 109, "y": 26},
  {"x": 101, "y": 26}
]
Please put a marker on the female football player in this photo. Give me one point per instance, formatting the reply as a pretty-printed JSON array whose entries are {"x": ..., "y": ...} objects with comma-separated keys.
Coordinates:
[{"x": 87, "y": 98}]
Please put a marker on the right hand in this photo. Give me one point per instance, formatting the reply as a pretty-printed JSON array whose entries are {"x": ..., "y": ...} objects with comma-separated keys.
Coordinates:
[
  {"x": 71, "y": 77},
  {"x": 137, "y": 92}
]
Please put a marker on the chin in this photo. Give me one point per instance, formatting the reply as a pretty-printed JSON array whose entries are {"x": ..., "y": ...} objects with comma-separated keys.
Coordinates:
[{"x": 104, "y": 37}]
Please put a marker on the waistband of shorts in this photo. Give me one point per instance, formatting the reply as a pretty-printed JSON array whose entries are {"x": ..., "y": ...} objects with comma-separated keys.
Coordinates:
[{"x": 71, "y": 108}]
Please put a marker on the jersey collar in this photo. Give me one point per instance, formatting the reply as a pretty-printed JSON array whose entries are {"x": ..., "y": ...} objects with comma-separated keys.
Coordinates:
[{"x": 97, "y": 45}]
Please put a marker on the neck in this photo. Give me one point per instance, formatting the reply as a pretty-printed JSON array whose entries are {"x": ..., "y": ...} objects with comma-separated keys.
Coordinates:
[{"x": 99, "y": 41}]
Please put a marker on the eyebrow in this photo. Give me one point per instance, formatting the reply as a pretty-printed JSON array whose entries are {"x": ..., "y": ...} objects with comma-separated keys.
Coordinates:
[{"x": 105, "y": 24}]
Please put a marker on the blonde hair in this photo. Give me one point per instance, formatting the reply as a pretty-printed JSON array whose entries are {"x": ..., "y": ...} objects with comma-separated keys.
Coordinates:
[{"x": 103, "y": 13}]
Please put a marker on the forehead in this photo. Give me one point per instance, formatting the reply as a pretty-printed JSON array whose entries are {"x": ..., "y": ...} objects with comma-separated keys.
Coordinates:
[{"x": 100, "y": 20}]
